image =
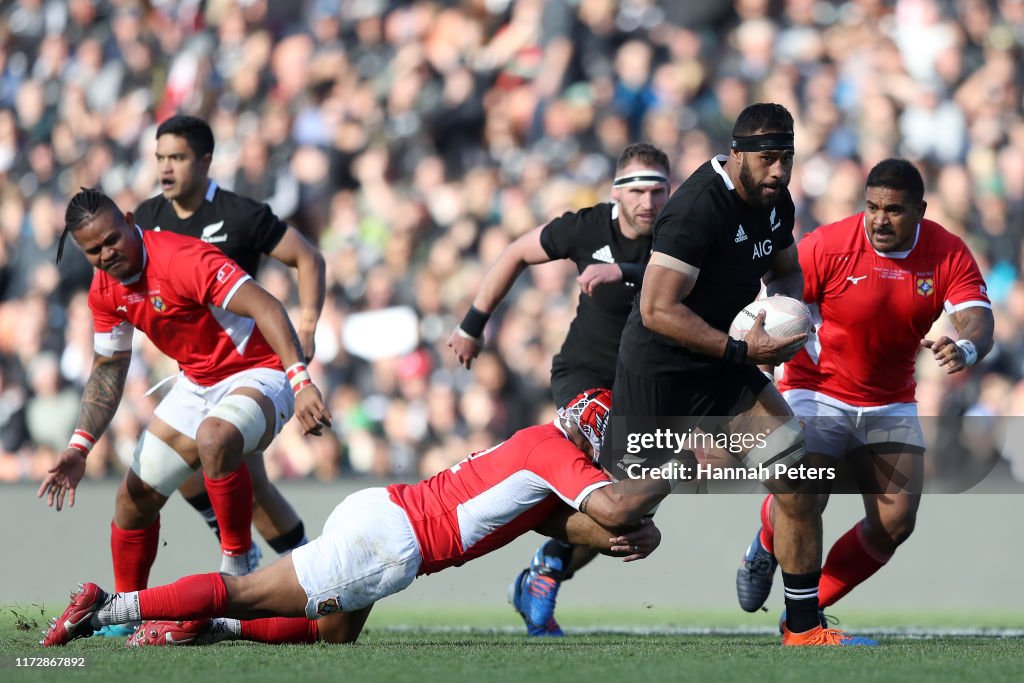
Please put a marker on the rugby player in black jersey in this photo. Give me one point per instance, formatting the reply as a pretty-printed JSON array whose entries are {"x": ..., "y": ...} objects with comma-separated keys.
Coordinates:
[
  {"x": 726, "y": 231},
  {"x": 609, "y": 243}
]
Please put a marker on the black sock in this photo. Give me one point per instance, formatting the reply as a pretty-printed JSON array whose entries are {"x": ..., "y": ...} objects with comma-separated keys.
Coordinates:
[
  {"x": 563, "y": 552},
  {"x": 204, "y": 507},
  {"x": 801, "y": 600},
  {"x": 287, "y": 542}
]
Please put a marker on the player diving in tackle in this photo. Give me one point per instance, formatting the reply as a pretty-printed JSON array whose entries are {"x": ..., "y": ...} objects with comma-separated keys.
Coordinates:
[{"x": 379, "y": 539}]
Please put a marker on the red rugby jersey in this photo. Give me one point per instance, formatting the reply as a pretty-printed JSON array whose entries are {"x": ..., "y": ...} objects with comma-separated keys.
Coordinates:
[
  {"x": 178, "y": 301},
  {"x": 875, "y": 309}
]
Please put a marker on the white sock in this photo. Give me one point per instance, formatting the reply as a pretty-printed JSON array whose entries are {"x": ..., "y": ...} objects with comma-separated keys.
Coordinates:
[
  {"x": 231, "y": 628},
  {"x": 119, "y": 608}
]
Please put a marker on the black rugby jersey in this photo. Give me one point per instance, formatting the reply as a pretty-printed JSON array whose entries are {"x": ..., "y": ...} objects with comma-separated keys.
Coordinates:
[
  {"x": 242, "y": 228},
  {"x": 706, "y": 225},
  {"x": 586, "y": 237}
]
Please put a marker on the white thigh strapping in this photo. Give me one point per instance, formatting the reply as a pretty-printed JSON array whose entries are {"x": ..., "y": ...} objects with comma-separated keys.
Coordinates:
[
  {"x": 247, "y": 417},
  {"x": 835, "y": 428},
  {"x": 159, "y": 465},
  {"x": 367, "y": 551}
]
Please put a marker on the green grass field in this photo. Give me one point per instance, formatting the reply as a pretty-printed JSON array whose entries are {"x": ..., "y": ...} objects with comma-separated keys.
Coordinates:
[{"x": 464, "y": 645}]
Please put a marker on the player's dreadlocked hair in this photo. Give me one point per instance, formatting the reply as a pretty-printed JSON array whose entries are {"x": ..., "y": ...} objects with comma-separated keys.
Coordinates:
[
  {"x": 899, "y": 175},
  {"x": 82, "y": 210},
  {"x": 196, "y": 132},
  {"x": 646, "y": 154},
  {"x": 766, "y": 116}
]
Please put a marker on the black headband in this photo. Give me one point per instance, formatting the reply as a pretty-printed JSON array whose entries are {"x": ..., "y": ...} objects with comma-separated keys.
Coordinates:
[{"x": 765, "y": 141}]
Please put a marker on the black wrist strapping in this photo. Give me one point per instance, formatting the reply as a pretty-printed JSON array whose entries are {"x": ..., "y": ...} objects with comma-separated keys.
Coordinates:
[
  {"x": 736, "y": 351},
  {"x": 474, "y": 322}
]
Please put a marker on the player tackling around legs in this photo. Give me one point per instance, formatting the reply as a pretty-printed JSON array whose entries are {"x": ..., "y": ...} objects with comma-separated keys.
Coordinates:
[{"x": 379, "y": 539}]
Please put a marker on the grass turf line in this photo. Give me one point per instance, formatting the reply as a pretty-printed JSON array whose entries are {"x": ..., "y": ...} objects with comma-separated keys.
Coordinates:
[{"x": 386, "y": 654}]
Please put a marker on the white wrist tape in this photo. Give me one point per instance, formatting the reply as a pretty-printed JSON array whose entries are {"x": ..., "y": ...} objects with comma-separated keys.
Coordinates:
[
  {"x": 479, "y": 341},
  {"x": 82, "y": 441},
  {"x": 298, "y": 377},
  {"x": 969, "y": 350}
]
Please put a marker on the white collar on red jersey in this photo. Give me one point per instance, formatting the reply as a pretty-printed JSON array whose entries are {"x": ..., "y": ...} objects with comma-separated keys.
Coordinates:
[{"x": 890, "y": 254}]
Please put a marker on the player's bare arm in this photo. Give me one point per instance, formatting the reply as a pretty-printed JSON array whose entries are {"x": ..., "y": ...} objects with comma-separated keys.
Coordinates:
[
  {"x": 100, "y": 399},
  {"x": 785, "y": 277},
  {"x": 667, "y": 282},
  {"x": 975, "y": 327},
  {"x": 295, "y": 251},
  {"x": 633, "y": 542},
  {"x": 626, "y": 502},
  {"x": 598, "y": 274},
  {"x": 254, "y": 302},
  {"x": 525, "y": 251}
]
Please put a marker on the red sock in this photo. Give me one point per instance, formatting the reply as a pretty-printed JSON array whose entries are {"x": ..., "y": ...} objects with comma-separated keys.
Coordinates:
[
  {"x": 280, "y": 630},
  {"x": 767, "y": 530},
  {"x": 231, "y": 498},
  {"x": 133, "y": 551},
  {"x": 193, "y": 597},
  {"x": 849, "y": 563}
]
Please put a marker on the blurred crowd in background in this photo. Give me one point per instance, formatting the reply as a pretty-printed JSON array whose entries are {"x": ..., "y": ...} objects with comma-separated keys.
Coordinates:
[{"x": 412, "y": 141}]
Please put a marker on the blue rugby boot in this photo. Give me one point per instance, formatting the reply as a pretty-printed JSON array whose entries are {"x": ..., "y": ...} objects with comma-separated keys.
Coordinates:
[
  {"x": 755, "y": 575},
  {"x": 533, "y": 593}
]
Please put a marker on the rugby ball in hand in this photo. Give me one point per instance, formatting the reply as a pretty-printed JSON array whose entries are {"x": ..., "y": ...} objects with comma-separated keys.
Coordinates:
[{"x": 784, "y": 317}]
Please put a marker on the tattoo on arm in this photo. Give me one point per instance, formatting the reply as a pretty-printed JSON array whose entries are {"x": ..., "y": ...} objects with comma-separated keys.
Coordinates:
[
  {"x": 103, "y": 393},
  {"x": 585, "y": 502},
  {"x": 978, "y": 325}
]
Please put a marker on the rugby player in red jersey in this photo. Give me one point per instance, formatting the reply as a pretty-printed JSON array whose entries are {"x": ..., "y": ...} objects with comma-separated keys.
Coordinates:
[
  {"x": 878, "y": 279},
  {"x": 232, "y": 341},
  {"x": 378, "y": 540}
]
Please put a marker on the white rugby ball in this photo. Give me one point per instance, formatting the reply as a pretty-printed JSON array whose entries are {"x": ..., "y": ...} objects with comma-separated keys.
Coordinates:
[{"x": 784, "y": 317}]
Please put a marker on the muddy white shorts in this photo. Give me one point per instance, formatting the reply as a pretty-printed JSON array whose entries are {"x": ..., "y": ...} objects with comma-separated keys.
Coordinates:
[
  {"x": 367, "y": 551},
  {"x": 836, "y": 428}
]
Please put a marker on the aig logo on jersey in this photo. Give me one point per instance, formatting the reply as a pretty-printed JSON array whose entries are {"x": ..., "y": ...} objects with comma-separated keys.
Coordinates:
[
  {"x": 925, "y": 286},
  {"x": 762, "y": 249},
  {"x": 158, "y": 304}
]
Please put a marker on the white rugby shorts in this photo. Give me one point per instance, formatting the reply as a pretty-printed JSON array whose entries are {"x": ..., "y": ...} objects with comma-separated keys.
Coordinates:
[
  {"x": 835, "y": 428},
  {"x": 367, "y": 551},
  {"x": 187, "y": 404}
]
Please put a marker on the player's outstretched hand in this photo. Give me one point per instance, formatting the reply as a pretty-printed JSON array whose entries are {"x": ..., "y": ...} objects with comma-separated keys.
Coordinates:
[
  {"x": 946, "y": 353},
  {"x": 311, "y": 412},
  {"x": 640, "y": 543},
  {"x": 598, "y": 274},
  {"x": 63, "y": 479},
  {"x": 764, "y": 349},
  {"x": 466, "y": 348}
]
